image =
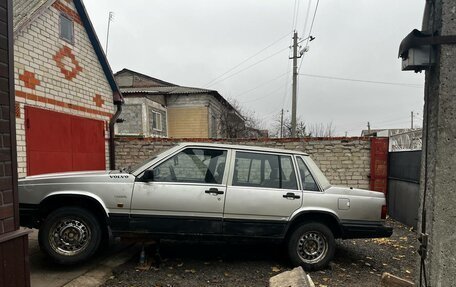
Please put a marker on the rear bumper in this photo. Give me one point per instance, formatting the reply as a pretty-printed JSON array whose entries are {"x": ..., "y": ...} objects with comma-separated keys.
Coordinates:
[{"x": 365, "y": 229}]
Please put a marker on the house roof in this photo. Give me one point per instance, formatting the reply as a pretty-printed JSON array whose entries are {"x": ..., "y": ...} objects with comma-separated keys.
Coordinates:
[
  {"x": 172, "y": 90},
  {"x": 157, "y": 82},
  {"x": 26, "y": 11},
  {"x": 159, "y": 87}
]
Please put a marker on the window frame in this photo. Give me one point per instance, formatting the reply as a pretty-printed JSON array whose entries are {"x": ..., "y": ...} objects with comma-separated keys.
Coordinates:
[
  {"x": 158, "y": 129},
  {"x": 66, "y": 17},
  {"x": 139, "y": 177},
  {"x": 233, "y": 163},
  {"x": 311, "y": 174},
  {"x": 315, "y": 176}
]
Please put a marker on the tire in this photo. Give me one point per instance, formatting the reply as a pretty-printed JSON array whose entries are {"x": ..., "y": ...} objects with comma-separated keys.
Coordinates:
[
  {"x": 77, "y": 235},
  {"x": 318, "y": 251}
]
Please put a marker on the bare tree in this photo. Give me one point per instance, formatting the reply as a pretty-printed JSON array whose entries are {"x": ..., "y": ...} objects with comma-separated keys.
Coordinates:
[
  {"x": 322, "y": 130},
  {"x": 237, "y": 122},
  {"x": 302, "y": 129},
  {"x": 285, "y": 129}
]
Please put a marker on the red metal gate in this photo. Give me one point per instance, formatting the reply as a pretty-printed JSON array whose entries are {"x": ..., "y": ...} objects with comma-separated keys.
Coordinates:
[
  {"x": 379, "y": 164},
  {"x": 58, "y": 142}
]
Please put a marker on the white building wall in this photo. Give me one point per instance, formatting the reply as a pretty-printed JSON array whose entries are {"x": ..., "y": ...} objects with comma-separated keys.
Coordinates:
[{"x": 37, "y": 49}]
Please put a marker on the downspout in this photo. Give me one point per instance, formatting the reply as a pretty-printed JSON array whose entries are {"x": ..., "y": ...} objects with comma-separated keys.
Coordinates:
[{"x": 112, "y": 144}]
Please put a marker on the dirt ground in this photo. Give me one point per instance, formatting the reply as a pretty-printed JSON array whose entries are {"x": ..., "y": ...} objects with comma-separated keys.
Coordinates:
[{"x": 201, "y": 264}]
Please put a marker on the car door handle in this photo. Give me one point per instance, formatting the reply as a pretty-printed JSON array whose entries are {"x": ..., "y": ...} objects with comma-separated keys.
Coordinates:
[
  {"x": 291, "y": 195},
  {"x": 214, "y": 191}
]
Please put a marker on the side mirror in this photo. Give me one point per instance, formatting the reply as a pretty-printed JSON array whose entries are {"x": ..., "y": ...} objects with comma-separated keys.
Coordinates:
[{"x": 148, "y": 175}]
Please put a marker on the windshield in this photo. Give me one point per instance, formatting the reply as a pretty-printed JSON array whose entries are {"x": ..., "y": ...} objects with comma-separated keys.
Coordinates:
[
  {"x": 139, "y": 165},
  {"x": 321, "y": 178},
  {"x": 134, "y": 167}
]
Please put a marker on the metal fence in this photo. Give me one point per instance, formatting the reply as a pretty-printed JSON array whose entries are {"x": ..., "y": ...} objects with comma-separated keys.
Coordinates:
[{"x": 403, "y": 186}]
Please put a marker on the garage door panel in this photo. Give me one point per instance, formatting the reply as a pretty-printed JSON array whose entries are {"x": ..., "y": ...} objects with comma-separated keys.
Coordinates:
[
  {"x": 58, "y": 142},
  {"x": 86, "y": 135},
  {"x": 39, "y": 162},
  {"x": 49, "y": 131}
]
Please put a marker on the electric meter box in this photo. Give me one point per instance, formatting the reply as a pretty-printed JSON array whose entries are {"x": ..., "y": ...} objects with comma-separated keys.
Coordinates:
[{"x": 418, "y": 59}]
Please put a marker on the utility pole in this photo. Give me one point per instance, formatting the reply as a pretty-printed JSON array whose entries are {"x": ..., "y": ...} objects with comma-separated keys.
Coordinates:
[
  {"x": 412, "y": 120},
  {"x": 295, "y": 84},
  {"x": 437, "y": 186},
  {"x": 368, "y": 128},
  {"x": 281, "y": 124},
  {"x": 110, "y": 19}
]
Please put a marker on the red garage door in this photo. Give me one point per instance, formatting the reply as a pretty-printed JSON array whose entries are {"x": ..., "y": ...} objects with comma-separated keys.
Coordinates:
[
  {"x": 379, "y": 164},
  {"x": 59, "y": 142}
]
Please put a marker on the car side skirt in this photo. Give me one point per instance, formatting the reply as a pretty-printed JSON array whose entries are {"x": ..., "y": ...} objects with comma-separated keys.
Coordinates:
[
  {"x": 364, "y": 229},
  {"x": 183, "y": 225}
]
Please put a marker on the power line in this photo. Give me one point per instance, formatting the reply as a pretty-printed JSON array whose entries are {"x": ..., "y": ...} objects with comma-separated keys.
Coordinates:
[
  {"x": 287, "y": 85},
  {"x": 261, "y": 85},
  {"x": 247, "y": 59},
  {"x": 294, "y": 16},
  {"x": 376, "y": 124},
  {"x": 310, "y": 33},
  {"x": 362, "y": 81},
  {"x": 307, "y": 18},
  {"x": 297, "y": 15},
  {"x": 390, "y": 120},
  {"x": 264, "y": 96},
  {"x": 246, "y": 68}
]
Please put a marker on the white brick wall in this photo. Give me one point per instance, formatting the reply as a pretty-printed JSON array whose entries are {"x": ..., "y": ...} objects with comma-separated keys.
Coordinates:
[{"x": 34, "y": 49}]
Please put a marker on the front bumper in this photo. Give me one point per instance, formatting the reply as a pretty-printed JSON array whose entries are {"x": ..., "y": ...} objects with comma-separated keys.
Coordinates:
[
  {"x": 365, "y": 229},
  {"x": 29, "y": 215}
]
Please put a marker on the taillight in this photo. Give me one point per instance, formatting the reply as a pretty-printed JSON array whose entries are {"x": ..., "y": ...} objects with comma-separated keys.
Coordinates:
[{"x": 384, "y": 210}]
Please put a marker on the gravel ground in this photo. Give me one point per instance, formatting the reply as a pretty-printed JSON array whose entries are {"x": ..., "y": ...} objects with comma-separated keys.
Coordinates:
[{"x": 197, "y": 264}]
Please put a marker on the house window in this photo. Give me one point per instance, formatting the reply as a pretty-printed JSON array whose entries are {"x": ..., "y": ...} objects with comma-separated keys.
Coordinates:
[
  {"x": 66, "y": 29},
  {"x": 156, "y": 121}
]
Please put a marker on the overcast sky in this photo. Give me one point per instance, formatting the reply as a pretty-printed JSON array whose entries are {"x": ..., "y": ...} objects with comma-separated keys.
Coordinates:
[{"x": 194, "y": 42}]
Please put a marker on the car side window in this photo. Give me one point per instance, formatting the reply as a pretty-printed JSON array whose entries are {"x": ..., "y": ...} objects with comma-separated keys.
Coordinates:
[
  {"x": 264, "y": 170},
  {"x": 308, "y": 182},
  {"x": 193, "y": 166}
]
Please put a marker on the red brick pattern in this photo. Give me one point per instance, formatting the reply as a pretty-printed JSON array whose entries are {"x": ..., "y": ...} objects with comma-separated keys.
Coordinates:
[
  {"x": 67, "y": 10},
  {"x": 98, "y": 100},
  {"x": 58, "y": 58},
  {"x": 18, "y": 110},
  {"x": 40, "y": 99},
  {"x": 29, "y": 79}
]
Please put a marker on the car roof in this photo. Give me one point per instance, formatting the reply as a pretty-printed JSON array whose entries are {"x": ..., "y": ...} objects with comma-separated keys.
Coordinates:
[{"x": 242, "y": 147}]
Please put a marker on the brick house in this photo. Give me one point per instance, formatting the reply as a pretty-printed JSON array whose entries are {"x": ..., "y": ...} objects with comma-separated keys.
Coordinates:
[
  {"x": 155, "y": 108},
  {"x": 66, "y": 94}
]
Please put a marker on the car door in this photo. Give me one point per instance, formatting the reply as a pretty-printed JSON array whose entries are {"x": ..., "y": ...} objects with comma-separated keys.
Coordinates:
[
  {"x": 183, "y": 194},
  {"x": 261, "y": 195}
]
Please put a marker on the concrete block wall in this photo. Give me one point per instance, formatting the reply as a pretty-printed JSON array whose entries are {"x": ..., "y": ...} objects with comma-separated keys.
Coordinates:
[
  {"x": 137, "y": 113},
  {"x": 345, "y": 161},
  {"x": 53, "y": 74}
]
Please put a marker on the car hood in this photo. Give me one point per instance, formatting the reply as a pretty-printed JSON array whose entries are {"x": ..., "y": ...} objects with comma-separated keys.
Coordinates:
[
  {"x": 342, "y": 190},
  {"x": 76, "y": 177}
]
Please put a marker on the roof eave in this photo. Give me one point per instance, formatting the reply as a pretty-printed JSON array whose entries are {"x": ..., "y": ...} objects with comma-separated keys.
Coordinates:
[{"x": 117, "y": 94}]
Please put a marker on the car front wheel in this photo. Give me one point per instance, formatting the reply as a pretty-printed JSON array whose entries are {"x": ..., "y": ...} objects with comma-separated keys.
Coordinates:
[
  {"x": 70, "y": 235},
  {"x": 311, "y": 246}
]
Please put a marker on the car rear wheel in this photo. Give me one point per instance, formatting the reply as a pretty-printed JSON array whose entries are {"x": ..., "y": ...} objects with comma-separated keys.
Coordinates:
[
  {"x": 70, "y": 235},
  {"x": 311, "y": 246}
]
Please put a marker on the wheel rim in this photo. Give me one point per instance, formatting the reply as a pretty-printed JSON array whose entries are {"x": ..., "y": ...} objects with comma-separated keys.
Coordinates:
[
  {"x": 312, "y": 247},
  {"x": 69, "y": 236}
]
